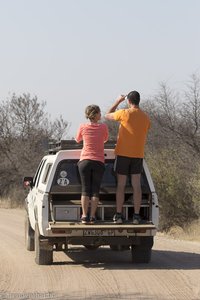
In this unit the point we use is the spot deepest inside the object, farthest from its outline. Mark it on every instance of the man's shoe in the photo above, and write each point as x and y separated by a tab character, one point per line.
118	219
136	219
92	220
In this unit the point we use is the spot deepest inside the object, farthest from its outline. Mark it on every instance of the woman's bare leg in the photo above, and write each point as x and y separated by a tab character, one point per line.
94	204
85	204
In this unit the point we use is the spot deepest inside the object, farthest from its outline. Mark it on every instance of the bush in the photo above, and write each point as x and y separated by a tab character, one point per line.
14	199
178	205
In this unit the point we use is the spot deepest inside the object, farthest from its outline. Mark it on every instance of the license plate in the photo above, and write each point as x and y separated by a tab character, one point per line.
95	232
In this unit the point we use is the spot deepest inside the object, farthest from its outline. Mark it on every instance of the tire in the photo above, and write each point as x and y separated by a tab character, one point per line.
91	247
29	235
43	251
142	253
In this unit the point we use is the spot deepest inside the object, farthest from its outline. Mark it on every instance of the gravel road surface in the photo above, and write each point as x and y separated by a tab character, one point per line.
174	272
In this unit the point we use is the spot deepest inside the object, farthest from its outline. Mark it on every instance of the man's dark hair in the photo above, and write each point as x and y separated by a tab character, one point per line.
134	97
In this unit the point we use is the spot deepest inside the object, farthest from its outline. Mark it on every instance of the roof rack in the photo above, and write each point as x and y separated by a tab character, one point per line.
54	146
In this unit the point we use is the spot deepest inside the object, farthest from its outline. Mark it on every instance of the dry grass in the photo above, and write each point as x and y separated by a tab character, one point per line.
15	199
8	202
191	233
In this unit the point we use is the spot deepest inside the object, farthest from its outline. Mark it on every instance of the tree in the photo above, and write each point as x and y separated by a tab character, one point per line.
25	129
113	129
178	118
173	152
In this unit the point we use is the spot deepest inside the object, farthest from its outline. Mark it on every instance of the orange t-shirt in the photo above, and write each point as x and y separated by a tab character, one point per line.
134	125
93	135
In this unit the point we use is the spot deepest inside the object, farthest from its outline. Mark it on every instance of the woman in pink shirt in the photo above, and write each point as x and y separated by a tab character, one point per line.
91	163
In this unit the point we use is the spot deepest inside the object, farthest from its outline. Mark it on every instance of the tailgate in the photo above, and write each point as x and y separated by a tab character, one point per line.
105	229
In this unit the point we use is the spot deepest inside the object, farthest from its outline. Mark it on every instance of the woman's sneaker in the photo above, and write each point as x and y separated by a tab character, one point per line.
118	218
136	219
84	220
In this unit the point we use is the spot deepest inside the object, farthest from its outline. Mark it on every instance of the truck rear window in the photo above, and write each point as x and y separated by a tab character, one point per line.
67	178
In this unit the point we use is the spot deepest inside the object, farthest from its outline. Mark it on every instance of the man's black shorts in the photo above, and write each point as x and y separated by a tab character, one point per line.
128	165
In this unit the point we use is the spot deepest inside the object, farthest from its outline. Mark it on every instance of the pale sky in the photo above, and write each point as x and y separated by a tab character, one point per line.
72	53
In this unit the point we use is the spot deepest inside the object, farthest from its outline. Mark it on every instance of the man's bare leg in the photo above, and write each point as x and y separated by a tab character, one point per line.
137	193
121	182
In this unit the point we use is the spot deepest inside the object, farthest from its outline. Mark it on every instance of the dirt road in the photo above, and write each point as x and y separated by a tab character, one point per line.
174	272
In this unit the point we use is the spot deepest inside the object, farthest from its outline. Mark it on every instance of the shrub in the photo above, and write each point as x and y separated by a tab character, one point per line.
178	205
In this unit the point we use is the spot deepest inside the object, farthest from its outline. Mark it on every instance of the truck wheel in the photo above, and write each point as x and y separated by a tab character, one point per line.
29	235
91	247
140	254
43	251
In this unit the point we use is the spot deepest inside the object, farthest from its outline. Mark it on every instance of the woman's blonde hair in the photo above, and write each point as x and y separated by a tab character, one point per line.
91	111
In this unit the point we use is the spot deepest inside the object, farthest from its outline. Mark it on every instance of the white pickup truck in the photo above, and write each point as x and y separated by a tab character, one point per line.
54	209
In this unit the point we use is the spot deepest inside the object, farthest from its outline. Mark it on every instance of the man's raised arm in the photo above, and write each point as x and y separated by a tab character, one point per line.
109	114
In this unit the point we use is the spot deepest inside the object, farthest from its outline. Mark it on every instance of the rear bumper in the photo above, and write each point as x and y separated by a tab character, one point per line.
101	230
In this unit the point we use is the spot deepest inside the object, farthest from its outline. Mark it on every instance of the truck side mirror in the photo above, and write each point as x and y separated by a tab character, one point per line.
28	182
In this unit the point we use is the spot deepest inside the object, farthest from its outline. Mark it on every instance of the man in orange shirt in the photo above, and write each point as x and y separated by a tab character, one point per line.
134	125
